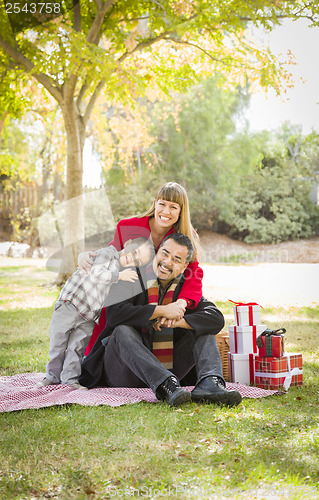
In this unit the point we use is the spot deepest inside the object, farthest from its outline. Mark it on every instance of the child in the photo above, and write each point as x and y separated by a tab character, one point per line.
79	306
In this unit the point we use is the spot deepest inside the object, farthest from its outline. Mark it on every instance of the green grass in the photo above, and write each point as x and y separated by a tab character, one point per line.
266	448
238	258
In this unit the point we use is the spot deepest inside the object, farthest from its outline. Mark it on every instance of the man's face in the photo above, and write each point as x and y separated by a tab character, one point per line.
170	261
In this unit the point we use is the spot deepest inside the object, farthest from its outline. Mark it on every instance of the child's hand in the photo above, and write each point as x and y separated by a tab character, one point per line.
84	261
128	275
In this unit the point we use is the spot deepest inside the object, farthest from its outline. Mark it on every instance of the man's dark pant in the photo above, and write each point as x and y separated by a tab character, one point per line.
129	363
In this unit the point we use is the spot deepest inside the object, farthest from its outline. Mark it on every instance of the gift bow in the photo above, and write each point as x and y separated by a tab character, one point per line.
269	333
292	372
244	303
288	379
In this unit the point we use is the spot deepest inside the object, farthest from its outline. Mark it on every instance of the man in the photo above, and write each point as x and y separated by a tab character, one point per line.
138	326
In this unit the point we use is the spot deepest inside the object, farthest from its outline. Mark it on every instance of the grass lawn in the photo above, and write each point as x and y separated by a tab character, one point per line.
262	449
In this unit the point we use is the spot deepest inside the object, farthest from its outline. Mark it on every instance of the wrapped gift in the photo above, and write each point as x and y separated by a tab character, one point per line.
241	368
271	343
246	314
278	373
243	339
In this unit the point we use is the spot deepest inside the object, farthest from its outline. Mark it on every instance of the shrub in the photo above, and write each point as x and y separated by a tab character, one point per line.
273	205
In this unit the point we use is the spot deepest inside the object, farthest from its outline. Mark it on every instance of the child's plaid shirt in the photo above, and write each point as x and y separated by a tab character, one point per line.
88	293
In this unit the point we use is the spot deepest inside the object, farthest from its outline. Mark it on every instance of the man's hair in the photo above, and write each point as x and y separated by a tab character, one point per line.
182	240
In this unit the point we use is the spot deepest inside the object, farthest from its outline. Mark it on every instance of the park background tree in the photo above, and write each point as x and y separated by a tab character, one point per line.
123	47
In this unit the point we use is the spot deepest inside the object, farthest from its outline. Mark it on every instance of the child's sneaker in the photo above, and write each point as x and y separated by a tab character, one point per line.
77	385
44	382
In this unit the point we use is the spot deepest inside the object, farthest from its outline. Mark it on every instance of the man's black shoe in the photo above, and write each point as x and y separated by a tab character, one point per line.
212	389
171	391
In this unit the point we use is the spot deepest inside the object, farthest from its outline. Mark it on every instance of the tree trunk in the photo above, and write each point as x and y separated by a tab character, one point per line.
2	120
73	221
57	187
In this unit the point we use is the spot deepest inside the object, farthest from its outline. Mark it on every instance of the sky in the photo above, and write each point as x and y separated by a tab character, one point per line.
300	105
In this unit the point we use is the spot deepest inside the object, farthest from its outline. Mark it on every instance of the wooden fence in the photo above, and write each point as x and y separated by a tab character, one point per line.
25	197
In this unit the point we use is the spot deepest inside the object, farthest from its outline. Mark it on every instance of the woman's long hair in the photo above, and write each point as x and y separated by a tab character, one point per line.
171	191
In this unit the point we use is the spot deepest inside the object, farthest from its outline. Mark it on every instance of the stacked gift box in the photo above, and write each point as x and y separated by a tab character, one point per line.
257	354
243	342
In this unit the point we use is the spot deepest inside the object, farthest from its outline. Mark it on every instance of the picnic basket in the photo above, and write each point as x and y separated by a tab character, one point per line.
223	347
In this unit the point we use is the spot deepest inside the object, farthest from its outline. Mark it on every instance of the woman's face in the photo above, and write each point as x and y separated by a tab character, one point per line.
166	213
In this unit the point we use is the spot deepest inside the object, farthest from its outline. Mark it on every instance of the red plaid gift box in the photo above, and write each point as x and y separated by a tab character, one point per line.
271	345
278	373
241	368
242	339
246	314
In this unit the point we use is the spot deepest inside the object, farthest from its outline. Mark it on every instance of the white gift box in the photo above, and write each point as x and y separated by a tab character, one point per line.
241	368
247	315
242	339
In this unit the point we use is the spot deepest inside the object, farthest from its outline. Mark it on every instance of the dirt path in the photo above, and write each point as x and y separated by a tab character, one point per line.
220	248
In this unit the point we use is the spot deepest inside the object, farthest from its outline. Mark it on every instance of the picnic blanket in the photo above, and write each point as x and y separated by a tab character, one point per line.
20	392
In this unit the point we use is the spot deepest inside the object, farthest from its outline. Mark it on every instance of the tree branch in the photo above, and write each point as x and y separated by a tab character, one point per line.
45	80
102	9
144	45
196	47
131	20
148	43
207	53
77	15
92	101
81	95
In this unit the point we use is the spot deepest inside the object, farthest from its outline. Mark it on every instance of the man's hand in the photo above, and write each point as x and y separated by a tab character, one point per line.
174	311
168	315
169	321
182	302
85	262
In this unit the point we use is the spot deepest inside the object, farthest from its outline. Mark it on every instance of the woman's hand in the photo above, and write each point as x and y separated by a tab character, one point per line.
85	262
128	275
163	322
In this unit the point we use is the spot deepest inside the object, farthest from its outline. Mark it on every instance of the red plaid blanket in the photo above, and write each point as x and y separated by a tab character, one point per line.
20	392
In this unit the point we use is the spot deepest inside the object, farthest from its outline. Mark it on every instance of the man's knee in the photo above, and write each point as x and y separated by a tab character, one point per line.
124	333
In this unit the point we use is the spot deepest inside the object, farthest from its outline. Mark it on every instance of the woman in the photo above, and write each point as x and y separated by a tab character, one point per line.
169	213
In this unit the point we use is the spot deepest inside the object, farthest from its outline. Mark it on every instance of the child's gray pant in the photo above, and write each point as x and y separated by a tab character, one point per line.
69	335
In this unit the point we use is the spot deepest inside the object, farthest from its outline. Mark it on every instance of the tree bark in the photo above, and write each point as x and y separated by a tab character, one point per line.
73	221
2	120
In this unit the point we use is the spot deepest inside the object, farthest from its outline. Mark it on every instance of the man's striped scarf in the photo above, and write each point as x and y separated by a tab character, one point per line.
162	345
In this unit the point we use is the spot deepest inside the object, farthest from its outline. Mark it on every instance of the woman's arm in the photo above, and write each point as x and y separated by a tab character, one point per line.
117	241
192	289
